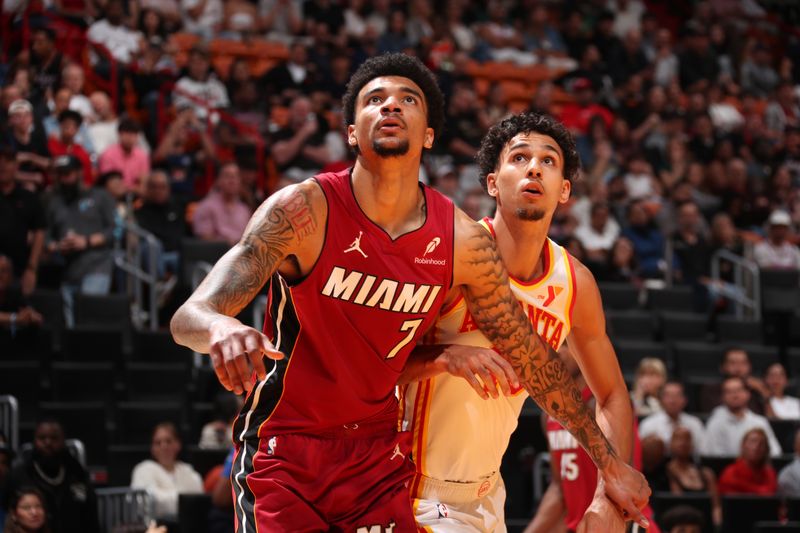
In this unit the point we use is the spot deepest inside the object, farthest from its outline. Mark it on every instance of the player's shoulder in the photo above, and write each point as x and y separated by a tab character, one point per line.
583	276
466	227
306	194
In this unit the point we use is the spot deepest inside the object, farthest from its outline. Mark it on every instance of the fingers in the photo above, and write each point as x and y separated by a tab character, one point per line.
219	369
253	349
508	370
489	384
475	384
269	350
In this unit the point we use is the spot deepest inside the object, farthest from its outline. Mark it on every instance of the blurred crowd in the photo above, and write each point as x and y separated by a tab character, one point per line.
686	117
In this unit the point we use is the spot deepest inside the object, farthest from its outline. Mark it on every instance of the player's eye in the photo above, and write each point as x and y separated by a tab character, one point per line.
410	100
518	158
548	161
374	99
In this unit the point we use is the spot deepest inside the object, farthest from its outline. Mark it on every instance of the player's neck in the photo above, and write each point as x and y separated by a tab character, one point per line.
520	243
387	191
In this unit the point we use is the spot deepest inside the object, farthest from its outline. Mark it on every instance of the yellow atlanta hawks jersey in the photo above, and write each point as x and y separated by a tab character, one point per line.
457	435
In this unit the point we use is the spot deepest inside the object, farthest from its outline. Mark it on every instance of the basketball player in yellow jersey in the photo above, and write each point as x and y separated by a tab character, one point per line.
527	164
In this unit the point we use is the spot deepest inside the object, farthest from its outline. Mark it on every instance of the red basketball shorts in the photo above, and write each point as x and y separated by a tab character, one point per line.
302	483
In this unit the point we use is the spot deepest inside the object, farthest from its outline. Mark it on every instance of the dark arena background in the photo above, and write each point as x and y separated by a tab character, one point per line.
137	137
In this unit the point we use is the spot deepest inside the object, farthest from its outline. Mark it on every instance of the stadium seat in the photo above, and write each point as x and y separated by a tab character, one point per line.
104	310
793	508
731	330
156	381
25	381
671	299
717	464
630	324
697	359
780	290
193	512
51	306
631	352
73	382
664	501
740	513
776	527
793	358
135	421
784	431
122	459
682	326
87	421
94	343
158	346
204	460
619	296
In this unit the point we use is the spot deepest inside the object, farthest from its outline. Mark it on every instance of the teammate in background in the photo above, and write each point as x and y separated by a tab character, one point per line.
527	164
571	493
317	442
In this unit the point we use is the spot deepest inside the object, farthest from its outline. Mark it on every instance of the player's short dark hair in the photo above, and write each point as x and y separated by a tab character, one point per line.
69	114
534	122
396	65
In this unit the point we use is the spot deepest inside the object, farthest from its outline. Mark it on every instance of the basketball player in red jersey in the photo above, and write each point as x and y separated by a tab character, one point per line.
571	502
360	262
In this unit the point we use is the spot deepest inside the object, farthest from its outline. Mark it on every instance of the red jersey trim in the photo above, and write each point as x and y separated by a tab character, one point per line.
574	282
452	305
547	265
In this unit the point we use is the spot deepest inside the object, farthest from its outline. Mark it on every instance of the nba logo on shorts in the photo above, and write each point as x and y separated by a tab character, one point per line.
483	489
442	510
271	444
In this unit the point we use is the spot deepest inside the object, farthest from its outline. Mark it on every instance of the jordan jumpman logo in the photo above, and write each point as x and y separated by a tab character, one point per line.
356	246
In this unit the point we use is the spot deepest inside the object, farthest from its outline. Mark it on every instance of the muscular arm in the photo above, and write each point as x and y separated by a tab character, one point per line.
599	366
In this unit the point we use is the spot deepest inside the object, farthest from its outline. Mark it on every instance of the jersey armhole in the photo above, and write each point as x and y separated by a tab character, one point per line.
300	280
574	287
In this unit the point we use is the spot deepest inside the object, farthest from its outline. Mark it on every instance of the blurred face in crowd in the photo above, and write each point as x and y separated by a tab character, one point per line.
73	78
735	395
298	54
229	181
21	121
672	399
300	111
622	253
128	140
797	442
776	379
722	228
599	217
198	65
115	12
778	233
48	440
41	45
755	448
157	189
116	187
528	183
689	217
29	513
165	446
69	129
10	93
681	445
101	104
637	215
736	363
61	100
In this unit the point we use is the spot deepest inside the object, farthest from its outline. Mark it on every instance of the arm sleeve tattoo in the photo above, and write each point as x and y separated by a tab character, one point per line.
501	318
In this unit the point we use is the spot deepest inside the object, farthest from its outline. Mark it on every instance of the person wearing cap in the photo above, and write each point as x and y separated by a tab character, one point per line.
21	217
80	229
30	143
776	251
126	156
65	143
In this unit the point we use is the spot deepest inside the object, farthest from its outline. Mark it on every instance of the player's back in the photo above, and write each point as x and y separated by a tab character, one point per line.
348	327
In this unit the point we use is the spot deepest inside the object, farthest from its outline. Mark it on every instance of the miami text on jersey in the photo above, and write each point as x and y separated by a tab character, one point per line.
385	294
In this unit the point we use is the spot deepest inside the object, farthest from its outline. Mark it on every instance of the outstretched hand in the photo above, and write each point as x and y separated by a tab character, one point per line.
483	368
237	351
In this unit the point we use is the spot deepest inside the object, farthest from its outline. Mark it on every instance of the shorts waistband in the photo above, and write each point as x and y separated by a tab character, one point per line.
360	430
429	488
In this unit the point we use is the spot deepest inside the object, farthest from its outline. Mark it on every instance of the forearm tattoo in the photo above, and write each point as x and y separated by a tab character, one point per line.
500	317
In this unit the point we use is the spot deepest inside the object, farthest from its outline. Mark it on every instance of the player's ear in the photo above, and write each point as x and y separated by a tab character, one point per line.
566	188
491	184
429	136
351	135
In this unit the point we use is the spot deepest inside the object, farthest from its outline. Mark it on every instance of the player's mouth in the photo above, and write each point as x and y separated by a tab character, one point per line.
390	125
533	190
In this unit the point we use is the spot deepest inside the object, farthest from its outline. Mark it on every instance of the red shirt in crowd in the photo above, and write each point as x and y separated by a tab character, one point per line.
740	478
58	148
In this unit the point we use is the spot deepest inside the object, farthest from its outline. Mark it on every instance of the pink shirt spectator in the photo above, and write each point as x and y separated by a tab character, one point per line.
215	219
134	166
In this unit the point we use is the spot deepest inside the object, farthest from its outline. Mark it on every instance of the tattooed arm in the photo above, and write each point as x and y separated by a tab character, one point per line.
285	234
479	269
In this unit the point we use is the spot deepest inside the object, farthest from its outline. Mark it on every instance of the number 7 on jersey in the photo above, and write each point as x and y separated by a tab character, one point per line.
411	327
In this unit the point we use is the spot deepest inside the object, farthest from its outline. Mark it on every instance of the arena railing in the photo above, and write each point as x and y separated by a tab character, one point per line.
120	508
139	259
9	420
745	291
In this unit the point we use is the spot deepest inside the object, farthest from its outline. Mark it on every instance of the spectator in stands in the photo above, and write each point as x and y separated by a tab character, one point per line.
126	156
647	240
751	473
154	68
577	116
783	111
599	235
184	149
16	317
292	79
736	362
777	251
651	374
303	147
730	421
202	17
165	218
466	124
789	477
240	20
686	477
46	65
73	79
200	88
68	494
540	36
698	63
682	519
281	19
80	226
692	253
30	143
216	435
756	73
222	215
394	39
52	126
621	265
22	223
672	416
26	512
779	405
164	476
104	124
110	32
66	143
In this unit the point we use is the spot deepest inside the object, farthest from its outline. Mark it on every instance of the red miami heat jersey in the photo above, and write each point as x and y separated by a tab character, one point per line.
349	326
578	472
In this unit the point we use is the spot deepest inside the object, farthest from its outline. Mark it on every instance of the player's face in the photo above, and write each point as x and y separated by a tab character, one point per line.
529	181
391	118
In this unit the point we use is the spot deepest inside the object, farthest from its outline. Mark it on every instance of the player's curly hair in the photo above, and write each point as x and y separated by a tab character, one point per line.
396	65
488	157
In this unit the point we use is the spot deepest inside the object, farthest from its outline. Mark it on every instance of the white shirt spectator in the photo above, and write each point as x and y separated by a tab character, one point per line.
786	408
104	134
211	91
592	240
165	486
626	18
789	479
724	432
769	255
662	426
122	42
205	24
81	104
